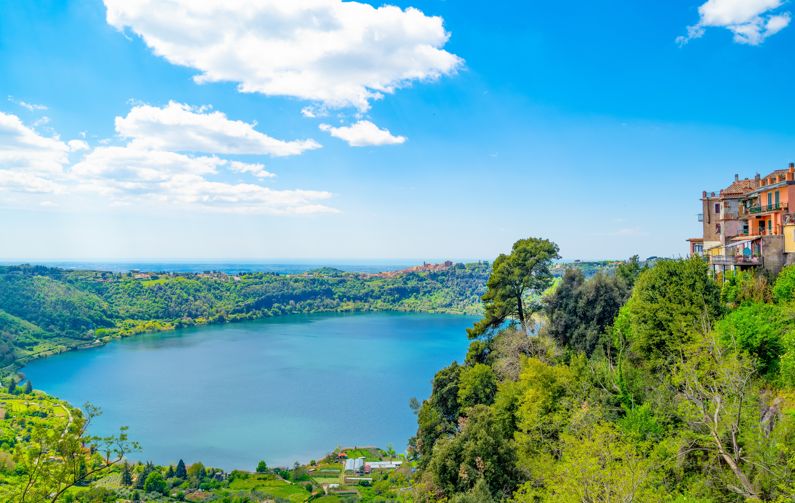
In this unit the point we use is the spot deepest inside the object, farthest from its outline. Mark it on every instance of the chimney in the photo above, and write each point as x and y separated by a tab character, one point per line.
736	177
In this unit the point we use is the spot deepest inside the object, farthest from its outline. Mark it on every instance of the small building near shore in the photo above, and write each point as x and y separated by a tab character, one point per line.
354	465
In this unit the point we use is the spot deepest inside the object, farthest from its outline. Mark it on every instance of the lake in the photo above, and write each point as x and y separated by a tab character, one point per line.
282	389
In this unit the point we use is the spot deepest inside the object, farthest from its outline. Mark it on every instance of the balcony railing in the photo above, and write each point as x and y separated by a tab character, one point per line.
762	208
734	260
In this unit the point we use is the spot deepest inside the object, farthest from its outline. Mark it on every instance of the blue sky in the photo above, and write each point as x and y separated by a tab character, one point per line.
450	130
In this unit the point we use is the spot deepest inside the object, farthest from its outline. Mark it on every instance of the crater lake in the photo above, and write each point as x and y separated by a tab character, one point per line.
282	389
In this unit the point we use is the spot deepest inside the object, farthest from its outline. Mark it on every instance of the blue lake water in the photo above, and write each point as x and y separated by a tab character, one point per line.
282	389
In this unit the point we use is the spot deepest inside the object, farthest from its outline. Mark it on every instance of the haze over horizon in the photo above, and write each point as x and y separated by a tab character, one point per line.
347	131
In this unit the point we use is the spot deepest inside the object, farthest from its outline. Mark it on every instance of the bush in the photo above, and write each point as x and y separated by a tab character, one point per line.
155	483
784	288
477	385
671	302
757	329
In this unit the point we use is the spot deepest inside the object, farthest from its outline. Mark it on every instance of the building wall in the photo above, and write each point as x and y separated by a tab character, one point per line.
789	238
773	253
711	217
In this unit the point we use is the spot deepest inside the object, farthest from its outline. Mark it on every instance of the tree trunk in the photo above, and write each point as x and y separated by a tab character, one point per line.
520	306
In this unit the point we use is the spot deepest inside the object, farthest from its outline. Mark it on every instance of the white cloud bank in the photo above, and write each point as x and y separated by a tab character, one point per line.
182	128
152	169
340	54
363	134
751	21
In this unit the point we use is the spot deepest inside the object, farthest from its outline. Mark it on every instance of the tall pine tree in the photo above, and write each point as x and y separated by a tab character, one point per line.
181	472
126	475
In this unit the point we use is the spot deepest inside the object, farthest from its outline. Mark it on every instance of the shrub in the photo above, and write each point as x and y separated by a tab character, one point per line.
757	329
784	288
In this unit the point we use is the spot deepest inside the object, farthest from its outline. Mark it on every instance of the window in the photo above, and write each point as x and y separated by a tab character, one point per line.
717	228
770	226
769	200
717	207
777	199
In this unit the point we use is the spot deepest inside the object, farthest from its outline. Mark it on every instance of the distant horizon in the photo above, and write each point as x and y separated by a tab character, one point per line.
289	261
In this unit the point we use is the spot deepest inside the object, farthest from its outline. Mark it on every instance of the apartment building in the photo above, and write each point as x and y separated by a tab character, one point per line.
749	224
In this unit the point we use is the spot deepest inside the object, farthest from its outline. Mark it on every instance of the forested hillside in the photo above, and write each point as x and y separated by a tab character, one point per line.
44	310
646	384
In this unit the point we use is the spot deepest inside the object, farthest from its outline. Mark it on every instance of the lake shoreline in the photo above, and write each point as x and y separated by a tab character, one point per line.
314	419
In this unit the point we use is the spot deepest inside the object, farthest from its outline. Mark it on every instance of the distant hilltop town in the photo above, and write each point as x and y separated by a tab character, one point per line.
749	223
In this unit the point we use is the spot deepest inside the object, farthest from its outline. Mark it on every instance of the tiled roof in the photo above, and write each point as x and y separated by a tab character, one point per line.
739	187
778	172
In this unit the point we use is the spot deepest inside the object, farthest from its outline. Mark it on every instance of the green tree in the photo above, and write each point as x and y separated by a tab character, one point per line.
757	329
437	416
196	473
28	387
515	279
126	475
784	287
262	467
580	311
715	394
477	385
671	303
479	451
52	462
629	271
181	472
145	471
155	483
12	385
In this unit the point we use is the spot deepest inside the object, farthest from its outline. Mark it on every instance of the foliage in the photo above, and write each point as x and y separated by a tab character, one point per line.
691	400
759	330
477	385
47	310
181	472
670	303
784	288
155	483
479	451
514	279
743	287
580	311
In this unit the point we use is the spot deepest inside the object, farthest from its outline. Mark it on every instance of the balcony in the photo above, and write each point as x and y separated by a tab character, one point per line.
764	208
734	260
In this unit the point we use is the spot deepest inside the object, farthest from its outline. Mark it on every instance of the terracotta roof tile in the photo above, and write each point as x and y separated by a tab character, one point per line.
739	187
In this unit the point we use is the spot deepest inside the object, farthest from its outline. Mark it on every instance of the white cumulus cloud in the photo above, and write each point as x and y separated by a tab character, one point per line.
338	53
23	149
363	134
144	174
182	128
751	21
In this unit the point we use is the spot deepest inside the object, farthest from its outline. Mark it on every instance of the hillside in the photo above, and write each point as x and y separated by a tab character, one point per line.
44	310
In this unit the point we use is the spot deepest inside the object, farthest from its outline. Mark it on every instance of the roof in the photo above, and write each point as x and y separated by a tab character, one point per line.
354	464
739	187
778	172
